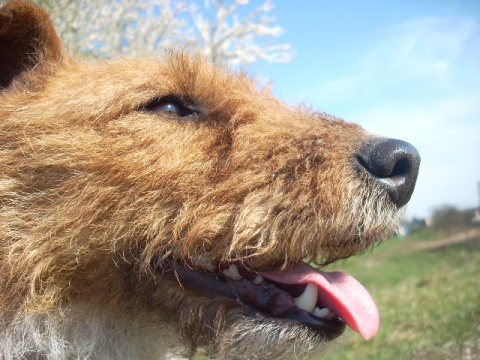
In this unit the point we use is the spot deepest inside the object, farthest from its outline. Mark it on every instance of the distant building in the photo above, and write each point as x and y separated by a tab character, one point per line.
410	226
476	217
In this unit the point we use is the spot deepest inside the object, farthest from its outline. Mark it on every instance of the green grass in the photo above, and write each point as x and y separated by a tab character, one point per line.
428	299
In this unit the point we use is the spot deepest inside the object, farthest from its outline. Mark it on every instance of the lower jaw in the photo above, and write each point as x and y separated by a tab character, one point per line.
297	318
256	336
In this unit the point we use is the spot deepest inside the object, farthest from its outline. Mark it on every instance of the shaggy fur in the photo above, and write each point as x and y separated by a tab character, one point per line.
103	193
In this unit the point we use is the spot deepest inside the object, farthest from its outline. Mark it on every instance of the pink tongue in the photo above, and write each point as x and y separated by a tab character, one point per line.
337	291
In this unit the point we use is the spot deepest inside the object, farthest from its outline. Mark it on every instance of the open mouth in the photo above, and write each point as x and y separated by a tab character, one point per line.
324	301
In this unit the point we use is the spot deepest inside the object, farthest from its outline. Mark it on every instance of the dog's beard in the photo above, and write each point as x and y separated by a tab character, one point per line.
252	339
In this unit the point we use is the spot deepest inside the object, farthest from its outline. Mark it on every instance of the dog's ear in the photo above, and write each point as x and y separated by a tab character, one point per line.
27	41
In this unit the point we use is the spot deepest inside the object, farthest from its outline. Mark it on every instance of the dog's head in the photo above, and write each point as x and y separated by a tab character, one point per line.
181	190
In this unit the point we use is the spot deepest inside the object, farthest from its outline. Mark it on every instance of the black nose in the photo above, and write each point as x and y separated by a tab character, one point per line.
394	163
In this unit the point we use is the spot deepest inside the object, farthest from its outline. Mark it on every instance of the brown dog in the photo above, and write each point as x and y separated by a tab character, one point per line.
150	208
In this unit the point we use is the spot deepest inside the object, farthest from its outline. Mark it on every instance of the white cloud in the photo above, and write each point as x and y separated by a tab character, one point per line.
424	47
419	55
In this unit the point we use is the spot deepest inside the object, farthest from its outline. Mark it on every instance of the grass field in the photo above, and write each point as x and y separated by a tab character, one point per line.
427	289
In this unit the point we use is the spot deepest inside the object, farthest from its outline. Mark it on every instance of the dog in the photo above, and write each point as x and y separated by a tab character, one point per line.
152	208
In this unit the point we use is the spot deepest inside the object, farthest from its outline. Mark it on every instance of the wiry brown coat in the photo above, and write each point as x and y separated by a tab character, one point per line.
98	189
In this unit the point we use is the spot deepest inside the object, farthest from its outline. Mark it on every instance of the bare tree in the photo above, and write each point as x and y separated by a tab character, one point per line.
224	36
451	220
111	28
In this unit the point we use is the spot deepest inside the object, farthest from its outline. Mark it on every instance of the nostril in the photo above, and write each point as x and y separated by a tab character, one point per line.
401	168
394	164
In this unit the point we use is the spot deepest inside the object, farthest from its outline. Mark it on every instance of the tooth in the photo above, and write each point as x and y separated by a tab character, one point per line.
331	316
232	273
321	313
308	299
258	280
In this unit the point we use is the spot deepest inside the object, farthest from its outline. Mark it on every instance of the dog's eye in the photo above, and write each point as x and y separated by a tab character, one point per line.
171	108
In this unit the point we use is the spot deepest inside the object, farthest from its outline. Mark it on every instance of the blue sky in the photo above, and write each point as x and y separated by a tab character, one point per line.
405	69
